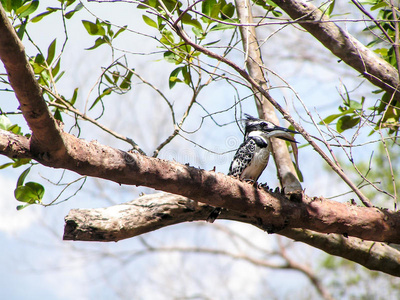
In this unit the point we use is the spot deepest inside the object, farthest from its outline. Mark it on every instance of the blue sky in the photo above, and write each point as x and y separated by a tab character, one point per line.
37	264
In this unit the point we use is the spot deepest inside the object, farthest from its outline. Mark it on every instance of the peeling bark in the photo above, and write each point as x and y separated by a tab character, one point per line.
269	211
272	210
151	212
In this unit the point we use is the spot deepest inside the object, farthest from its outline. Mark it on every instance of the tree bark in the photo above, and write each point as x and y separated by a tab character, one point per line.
255	66
46	138
343	45
273	210
152	212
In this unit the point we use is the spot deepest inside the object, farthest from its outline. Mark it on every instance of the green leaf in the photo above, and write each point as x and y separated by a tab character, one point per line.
220	26
56	68
25	194
21	30
19	207
22	177
186	75
74	97
228	11
170	56
94	28
59	76
3	166
77	8
27	9
57	115
31	192
39	59
331	7
122	29
20	162
8	4
173	77
106	92
15	129
207	6
126	83
189	20
346	122
99	41
149	21
51	51
355	105
40	16
199	33
379	5
37	188
168	37
276	13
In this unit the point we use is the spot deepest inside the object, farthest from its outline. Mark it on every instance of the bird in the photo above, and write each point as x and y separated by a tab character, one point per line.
252	156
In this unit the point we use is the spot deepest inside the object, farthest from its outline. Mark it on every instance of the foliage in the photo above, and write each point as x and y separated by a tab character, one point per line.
385	113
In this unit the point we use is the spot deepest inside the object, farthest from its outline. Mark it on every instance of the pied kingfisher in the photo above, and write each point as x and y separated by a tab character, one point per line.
252	156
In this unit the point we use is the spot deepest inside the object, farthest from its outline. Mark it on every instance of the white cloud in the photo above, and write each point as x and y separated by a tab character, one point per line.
12	220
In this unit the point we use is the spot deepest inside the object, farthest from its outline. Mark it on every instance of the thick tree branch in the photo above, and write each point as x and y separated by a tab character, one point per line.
46	137
151	212
272	210
178	29
343	45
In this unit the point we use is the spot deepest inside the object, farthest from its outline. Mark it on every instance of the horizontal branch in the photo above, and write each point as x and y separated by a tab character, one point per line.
151	212
272	210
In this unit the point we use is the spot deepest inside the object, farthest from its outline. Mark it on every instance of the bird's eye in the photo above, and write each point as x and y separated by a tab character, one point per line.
265	126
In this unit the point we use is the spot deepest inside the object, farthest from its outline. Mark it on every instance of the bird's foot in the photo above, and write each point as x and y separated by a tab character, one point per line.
250	181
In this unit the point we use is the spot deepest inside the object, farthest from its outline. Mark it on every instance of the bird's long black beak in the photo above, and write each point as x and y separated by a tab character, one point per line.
282	133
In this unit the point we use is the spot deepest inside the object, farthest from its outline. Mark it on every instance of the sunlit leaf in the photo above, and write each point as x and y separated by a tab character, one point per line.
74	97
93	28
19	207
99	41
40	16
56	68
173	77
105	92
22	177
27	9
122	29
51	51
126	83
149	21
20	162
77	8
3	166
37	188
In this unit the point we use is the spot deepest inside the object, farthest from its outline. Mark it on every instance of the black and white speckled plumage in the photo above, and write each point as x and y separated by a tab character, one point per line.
252	156
250	159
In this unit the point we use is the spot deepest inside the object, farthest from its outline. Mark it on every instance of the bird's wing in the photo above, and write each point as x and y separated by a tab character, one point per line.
242	157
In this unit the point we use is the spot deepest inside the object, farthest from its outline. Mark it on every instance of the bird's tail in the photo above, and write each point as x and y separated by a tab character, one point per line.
214	214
